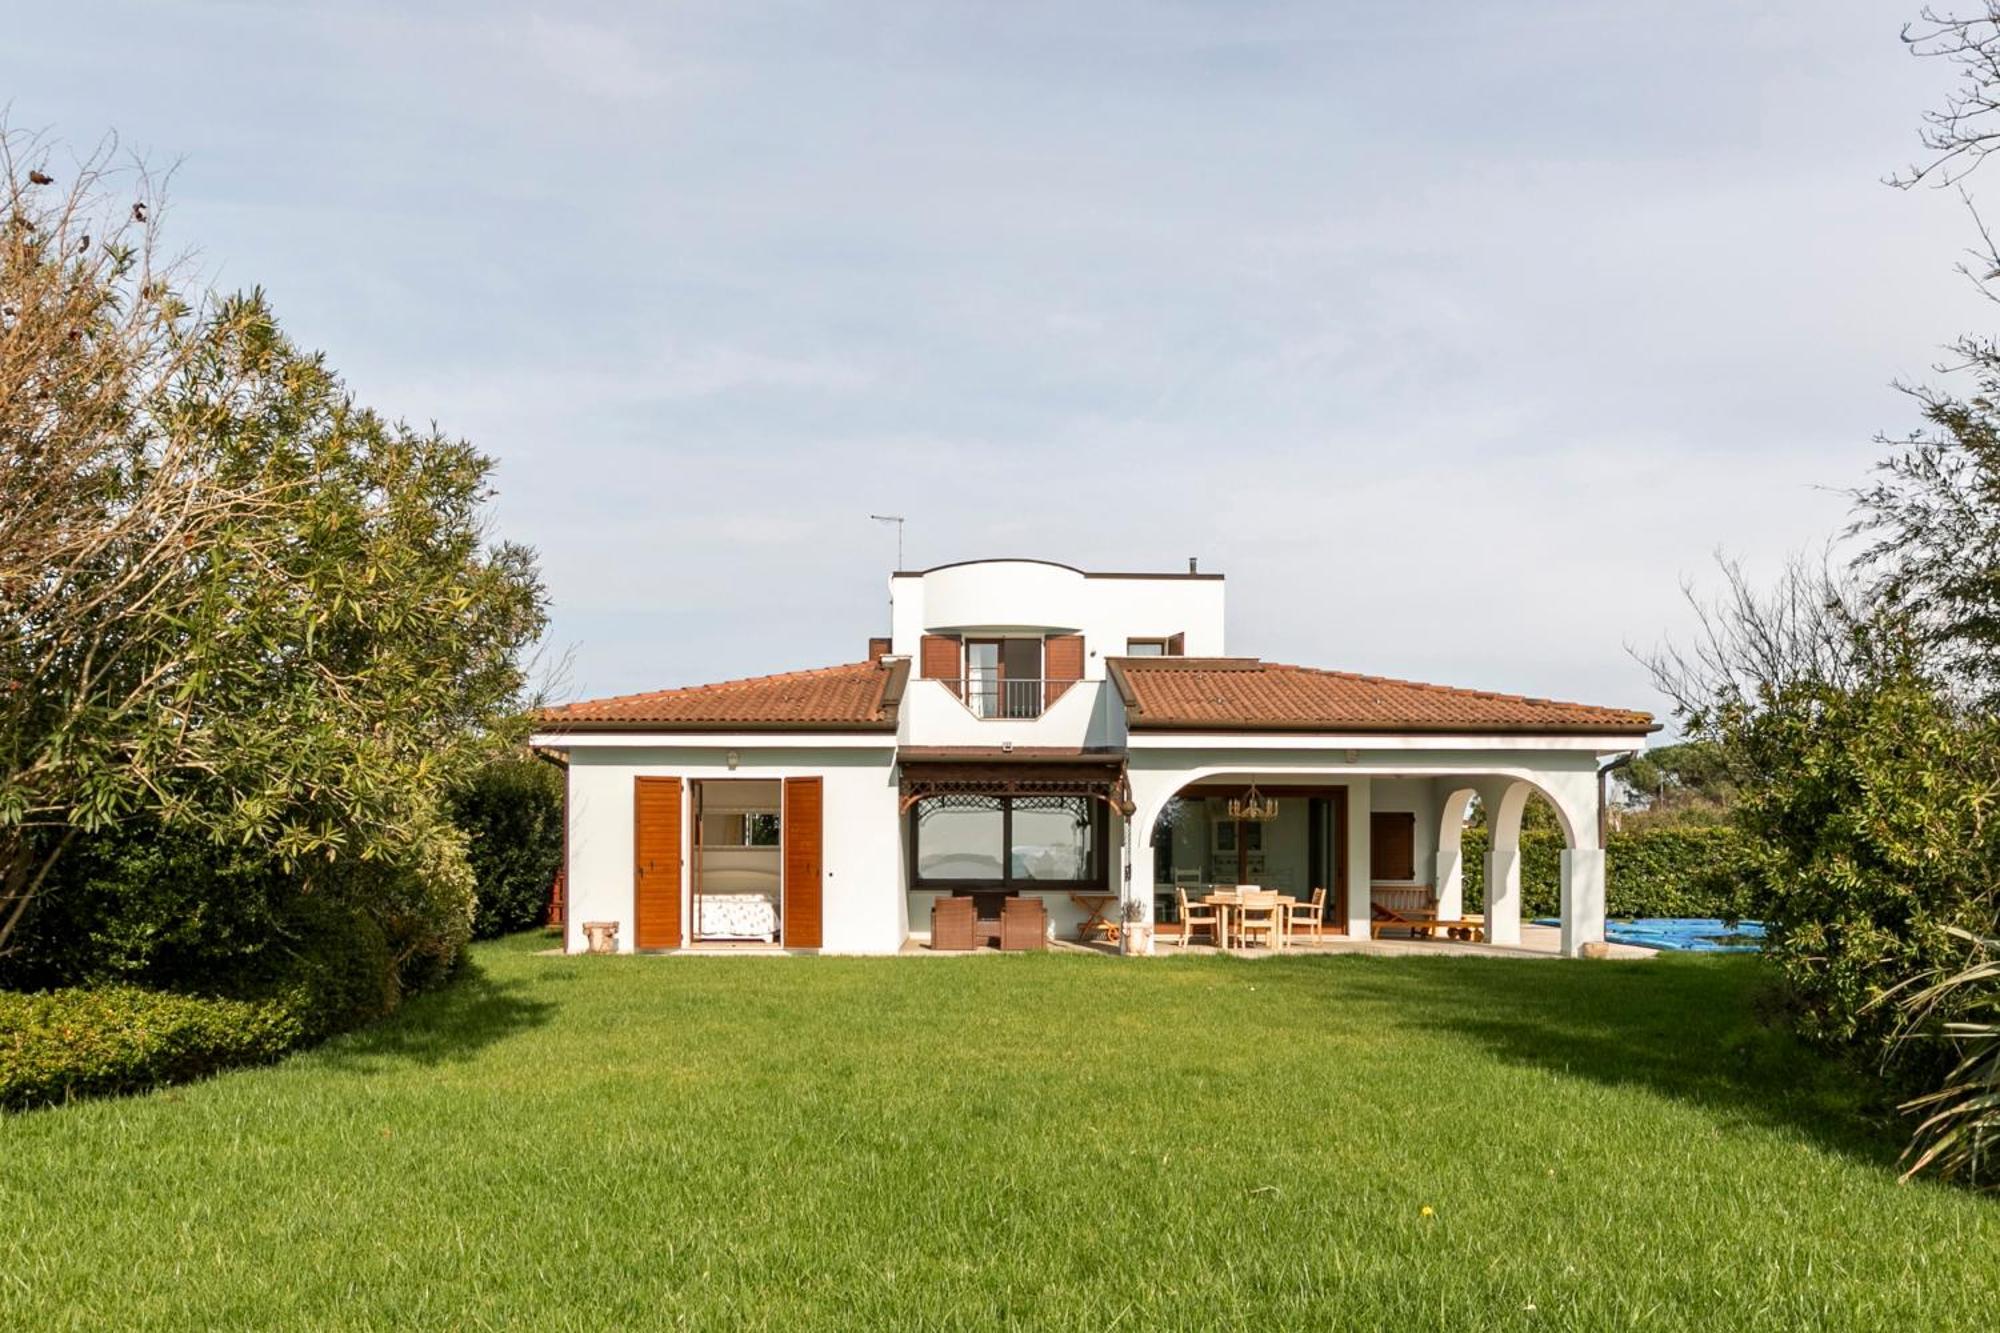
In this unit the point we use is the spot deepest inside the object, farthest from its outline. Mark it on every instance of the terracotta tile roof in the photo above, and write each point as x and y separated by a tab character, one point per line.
859	696
1244	693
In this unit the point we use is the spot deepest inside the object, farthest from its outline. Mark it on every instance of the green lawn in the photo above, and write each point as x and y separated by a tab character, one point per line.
1055	1140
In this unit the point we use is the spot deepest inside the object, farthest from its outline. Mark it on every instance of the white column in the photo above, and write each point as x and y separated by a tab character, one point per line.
1582	899
1135	871
1359	803
1503	895
1450	880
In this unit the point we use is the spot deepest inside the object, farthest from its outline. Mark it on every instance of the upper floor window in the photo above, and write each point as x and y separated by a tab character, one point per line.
1145	647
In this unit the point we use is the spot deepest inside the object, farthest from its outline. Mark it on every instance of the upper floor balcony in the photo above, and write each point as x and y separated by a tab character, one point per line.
1002	712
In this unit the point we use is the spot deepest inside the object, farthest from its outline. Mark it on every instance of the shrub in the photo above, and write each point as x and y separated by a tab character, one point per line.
511	812
55	1045
1870	813
151	906
329	964
171	910
1674	870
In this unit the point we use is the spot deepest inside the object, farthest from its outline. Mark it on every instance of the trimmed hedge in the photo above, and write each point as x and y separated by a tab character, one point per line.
511	812
1677	870
79	1042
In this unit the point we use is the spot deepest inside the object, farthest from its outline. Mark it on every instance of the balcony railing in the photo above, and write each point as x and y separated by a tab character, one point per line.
1015	697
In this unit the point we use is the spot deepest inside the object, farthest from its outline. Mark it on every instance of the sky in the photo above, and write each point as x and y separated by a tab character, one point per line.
1462	337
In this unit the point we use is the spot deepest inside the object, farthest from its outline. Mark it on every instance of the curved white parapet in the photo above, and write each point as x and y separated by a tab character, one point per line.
933	715
995	594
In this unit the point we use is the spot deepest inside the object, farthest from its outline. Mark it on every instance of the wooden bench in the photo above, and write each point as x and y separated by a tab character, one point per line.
1424	925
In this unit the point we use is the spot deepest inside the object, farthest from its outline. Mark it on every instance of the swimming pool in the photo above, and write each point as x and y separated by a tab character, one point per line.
1690	934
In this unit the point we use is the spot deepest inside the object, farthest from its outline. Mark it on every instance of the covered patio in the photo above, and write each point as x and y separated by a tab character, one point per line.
1371	780
1379	831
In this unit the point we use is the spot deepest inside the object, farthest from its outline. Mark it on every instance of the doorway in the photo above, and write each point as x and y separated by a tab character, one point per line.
737	885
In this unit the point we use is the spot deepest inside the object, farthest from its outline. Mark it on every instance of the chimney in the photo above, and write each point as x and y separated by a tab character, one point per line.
1194	565
877	649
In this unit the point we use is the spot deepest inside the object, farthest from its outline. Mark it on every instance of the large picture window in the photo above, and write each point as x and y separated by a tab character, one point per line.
1007	842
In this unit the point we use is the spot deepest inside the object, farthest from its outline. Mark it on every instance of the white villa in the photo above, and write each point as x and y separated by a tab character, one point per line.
1027	728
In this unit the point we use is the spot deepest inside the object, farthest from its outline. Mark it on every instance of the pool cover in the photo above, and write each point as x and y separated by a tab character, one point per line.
1692	934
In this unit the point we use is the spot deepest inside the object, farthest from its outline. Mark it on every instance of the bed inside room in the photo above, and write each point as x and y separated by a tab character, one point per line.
737	881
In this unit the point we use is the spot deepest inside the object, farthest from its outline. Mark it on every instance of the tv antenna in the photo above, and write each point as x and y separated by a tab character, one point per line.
897	519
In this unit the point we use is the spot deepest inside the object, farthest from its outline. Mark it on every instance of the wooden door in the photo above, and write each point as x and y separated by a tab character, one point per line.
801	828
656	871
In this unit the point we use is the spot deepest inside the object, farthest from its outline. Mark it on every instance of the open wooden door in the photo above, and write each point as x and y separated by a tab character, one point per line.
802	830
656	870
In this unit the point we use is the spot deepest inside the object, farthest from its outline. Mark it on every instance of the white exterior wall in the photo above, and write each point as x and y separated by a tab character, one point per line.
862	899
1122	609
1032	597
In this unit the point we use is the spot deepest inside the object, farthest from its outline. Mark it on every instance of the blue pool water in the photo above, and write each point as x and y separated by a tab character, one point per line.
1694	934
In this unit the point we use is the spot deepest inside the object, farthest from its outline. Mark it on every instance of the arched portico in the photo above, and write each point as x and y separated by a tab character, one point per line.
1503	784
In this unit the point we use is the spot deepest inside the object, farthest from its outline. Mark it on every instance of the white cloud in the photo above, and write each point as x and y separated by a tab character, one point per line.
1475	314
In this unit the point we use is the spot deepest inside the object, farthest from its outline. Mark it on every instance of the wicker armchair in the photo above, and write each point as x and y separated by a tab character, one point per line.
1024	924
952	921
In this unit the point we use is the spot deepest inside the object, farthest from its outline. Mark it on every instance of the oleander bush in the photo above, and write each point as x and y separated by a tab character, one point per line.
1666	870
76	1042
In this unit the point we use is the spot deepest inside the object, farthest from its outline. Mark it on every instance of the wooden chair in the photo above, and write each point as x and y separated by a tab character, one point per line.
952	922
1310	915
1261	915
1205	918
1024	924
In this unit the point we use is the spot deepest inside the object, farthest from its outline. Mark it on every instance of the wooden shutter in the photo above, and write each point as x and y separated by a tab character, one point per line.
1177	645
940	659
1062	664
656	874
1392	845
878	649
804	864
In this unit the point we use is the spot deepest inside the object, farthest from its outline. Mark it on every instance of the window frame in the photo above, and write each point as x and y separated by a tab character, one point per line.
1151	643
1100	837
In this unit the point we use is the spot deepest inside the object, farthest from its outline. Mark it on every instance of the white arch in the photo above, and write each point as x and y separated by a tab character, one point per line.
1456	802
1572	794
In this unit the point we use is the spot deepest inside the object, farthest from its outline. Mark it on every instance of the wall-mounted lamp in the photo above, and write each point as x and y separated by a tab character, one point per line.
732	759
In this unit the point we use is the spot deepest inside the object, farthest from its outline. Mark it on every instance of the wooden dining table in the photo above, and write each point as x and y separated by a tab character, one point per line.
1227	902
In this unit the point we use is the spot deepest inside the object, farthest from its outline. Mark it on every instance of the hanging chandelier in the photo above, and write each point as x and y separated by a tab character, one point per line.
1254	806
